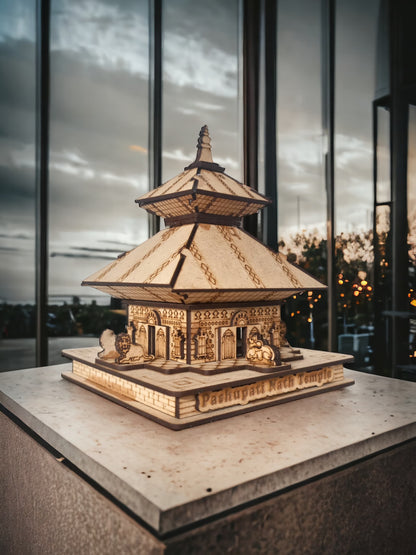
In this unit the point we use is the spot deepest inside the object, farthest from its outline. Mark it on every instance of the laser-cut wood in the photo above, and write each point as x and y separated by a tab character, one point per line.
203	299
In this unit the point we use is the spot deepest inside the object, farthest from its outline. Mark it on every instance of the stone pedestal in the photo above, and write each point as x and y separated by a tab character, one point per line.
331	473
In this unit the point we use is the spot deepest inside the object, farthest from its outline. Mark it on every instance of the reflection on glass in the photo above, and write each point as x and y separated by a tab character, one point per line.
98	151
382	244
411	186
302	200
383	285
301	180
383	227
356	55
383	190
200	82
411	238
356	37
17	178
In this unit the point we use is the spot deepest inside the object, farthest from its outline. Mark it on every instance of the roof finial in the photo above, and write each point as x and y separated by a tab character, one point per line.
203	156
204	146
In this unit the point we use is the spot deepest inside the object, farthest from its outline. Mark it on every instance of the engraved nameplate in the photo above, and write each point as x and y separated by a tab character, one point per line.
214	400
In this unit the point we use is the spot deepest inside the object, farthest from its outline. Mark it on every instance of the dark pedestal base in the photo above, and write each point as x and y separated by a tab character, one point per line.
47	507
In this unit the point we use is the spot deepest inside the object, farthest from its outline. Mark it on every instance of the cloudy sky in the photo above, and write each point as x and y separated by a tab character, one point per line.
99	122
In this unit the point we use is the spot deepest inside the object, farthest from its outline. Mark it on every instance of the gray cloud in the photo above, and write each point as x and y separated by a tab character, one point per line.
16	236
215	22
80	255
89	249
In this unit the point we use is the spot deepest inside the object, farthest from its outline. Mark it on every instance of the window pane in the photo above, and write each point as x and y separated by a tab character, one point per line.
200	83
302	200
411	240
98	152
383	190
356	55
301	179
383	285
17	168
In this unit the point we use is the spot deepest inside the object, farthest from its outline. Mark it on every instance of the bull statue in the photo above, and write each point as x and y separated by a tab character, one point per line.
259	353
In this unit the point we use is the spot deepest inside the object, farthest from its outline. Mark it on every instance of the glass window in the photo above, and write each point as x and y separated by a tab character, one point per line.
411	240
302	199
17	169
383	190
98	155
356	56
201	83
383	261
301	177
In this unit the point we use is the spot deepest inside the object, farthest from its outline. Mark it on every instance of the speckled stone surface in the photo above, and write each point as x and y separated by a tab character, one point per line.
172	479
47	509
367	508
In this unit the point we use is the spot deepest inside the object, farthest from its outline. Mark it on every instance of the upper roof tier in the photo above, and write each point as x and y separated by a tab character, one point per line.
202	193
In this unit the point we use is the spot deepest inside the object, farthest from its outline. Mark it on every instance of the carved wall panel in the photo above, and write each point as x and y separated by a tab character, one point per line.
240	319
168	330
208	330
177	344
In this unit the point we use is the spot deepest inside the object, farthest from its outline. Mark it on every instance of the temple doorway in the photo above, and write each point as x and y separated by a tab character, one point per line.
152	340
241	333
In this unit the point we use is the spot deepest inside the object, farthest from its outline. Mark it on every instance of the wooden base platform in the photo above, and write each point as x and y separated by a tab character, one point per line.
181	399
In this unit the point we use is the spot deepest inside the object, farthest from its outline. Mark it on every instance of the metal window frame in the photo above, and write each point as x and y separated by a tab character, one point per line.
42	177
155	103
328	124
398	159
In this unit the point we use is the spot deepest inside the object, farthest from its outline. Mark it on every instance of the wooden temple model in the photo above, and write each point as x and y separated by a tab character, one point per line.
204	337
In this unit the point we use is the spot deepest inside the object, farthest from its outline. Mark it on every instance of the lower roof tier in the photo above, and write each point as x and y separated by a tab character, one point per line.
157	294
202	263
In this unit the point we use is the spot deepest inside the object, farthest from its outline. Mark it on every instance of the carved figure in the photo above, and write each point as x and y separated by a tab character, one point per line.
275	335
201	344
178	343
128	353
108	344
259	353
161	344
142	338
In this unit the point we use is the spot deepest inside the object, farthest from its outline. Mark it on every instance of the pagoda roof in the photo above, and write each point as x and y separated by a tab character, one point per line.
202	189
202	263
